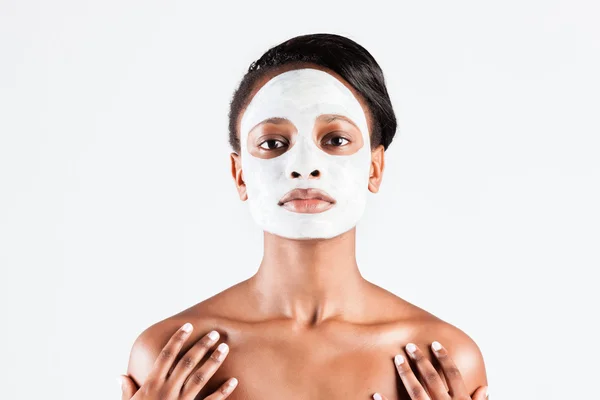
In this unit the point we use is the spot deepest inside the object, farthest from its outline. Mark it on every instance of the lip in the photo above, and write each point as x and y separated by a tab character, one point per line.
308	201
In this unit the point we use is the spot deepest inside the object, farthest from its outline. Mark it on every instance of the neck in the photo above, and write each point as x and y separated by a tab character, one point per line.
309	281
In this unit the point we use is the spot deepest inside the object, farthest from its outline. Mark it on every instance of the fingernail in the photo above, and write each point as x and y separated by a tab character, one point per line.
411	348
213	335
376	396
187	327
486	392
222	347
436	346
233	382
398	359
221	351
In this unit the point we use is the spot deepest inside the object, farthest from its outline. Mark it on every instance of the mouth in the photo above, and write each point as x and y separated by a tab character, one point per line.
307	201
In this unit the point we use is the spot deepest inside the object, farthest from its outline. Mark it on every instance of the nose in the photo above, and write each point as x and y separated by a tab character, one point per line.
314	174
304	161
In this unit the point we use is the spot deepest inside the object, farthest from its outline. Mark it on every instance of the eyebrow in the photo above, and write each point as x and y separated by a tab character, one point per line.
325	117
332	117
274	120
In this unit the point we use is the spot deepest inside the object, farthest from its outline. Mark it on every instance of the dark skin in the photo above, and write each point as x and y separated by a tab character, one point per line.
307	325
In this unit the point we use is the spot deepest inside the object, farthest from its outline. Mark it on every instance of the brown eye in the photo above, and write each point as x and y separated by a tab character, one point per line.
336	141
271	146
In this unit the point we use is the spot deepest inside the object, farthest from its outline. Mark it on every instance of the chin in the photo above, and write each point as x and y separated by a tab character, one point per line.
308	233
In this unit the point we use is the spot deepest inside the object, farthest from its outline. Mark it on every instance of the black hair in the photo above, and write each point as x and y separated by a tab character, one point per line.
337	53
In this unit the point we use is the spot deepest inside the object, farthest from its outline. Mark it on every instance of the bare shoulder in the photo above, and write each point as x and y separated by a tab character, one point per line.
152	340
423	328
204	317
463	350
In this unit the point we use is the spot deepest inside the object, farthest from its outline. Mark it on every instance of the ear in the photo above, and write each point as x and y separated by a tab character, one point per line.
376	172
238	178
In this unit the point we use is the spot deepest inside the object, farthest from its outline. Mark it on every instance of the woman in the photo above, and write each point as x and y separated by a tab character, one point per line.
309	125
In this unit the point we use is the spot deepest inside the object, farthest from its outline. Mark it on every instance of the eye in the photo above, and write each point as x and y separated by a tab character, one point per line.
271	147
336	141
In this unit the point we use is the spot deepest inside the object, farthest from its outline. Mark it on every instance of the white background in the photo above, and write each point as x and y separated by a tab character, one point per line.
117	208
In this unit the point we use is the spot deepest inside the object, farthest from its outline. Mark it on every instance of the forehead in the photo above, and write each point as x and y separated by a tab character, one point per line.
301	94
299	65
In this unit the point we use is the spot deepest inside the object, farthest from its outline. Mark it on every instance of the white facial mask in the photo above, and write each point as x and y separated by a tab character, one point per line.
301	96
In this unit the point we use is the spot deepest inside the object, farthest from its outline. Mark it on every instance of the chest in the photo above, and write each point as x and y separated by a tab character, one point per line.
309	371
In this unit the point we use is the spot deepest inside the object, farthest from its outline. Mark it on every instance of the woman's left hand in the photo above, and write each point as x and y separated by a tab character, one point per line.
433	382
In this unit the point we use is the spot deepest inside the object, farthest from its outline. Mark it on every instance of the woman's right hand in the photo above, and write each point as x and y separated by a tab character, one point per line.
184	382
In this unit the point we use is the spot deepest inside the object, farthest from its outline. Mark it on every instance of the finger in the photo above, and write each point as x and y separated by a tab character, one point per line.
200	376
411	383
379	396
128	387
167	356
456	384
191	358
481	393
432	379
224	391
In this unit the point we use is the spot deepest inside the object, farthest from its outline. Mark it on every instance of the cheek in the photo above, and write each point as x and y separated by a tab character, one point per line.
351	173
263	176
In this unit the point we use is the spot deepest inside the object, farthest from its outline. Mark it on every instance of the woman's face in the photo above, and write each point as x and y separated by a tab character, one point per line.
305	129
